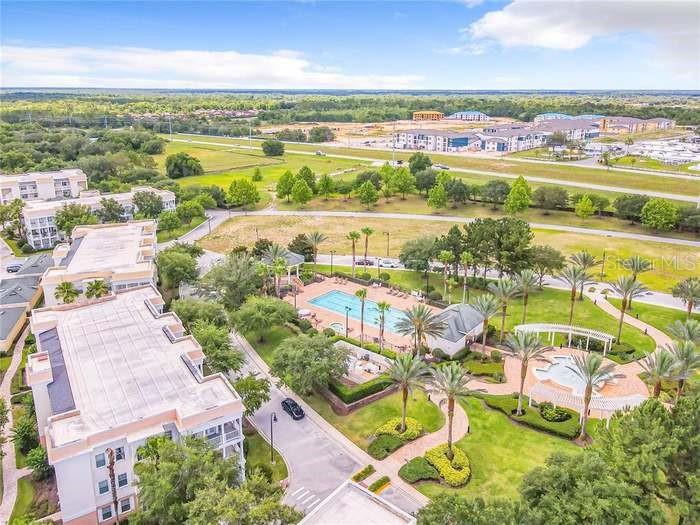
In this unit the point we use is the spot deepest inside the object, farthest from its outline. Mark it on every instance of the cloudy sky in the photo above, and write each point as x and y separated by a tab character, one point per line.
469	44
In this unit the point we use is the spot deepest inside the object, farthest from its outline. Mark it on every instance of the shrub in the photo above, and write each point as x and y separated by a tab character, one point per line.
328	332
27	249
385	276
507	404
384	445
350	394
435	296
455	472
496	356
364	473
365	276
551	413
393	428
384	480
418	469
37	460
461	354
305	325
593	344
429	288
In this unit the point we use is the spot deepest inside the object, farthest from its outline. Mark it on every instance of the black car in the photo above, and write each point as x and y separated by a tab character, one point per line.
13	268
364	262
292	408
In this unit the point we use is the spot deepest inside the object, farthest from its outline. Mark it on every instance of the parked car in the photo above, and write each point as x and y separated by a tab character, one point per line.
292	408
364	262
13	268
441	167
320	153
388	263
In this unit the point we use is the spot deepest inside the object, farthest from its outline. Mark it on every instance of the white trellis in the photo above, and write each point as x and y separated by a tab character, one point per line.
570	331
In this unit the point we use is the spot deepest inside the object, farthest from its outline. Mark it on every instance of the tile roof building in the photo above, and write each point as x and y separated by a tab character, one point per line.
463	324
42	185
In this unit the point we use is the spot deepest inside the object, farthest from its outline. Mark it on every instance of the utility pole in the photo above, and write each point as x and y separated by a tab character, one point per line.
250	135
170	127
30	117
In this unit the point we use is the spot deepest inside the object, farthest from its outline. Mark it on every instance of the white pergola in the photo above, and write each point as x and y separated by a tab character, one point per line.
570	331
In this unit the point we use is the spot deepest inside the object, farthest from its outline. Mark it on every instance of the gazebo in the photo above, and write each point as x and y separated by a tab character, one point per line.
570	331
291	260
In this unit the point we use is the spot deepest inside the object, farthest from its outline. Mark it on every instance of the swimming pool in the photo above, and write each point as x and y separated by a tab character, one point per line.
337	300
560	372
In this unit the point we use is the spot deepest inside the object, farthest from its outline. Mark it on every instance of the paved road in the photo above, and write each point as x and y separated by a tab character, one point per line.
543	180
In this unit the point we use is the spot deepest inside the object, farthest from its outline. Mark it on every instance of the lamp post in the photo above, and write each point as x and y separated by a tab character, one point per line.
602	267
273	419
347	312
294	293
377	267
332	254
387	243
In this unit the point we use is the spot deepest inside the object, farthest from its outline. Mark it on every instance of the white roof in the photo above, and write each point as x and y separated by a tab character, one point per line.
121	367
33	175
93	199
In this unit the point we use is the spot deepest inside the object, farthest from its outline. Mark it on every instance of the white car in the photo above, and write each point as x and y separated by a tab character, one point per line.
388	263
441	167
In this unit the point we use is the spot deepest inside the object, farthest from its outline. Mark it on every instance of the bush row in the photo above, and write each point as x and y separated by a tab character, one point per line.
364	473
350	394
384	445
418	469
554	414
393	428
384	480
372	347
455	472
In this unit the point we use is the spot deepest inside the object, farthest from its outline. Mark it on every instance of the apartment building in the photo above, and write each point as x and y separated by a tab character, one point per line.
109	374
619	125
512	138
428	115
469	116
122	255
39	217
572	129
435	140
42	185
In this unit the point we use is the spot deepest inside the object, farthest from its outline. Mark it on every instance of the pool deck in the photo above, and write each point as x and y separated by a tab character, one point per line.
325	317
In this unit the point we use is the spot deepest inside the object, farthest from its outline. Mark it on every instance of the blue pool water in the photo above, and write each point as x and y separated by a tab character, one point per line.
336	301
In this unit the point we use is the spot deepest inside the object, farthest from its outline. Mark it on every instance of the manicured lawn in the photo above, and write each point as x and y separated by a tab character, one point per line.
259	454
501	453
648	163
657	316
25	496
361	424
273	337
20	459
164	236
215	158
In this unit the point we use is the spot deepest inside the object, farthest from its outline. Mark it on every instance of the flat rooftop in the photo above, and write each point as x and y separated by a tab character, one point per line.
33	175
91	199
351	504
114	362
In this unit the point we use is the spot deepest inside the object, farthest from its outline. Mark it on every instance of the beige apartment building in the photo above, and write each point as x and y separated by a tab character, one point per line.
107	375
42	185
122	255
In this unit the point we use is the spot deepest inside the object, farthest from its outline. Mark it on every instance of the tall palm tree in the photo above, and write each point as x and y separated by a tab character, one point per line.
658	367
488	306
527	281
272	256
688	330
465	259
409	372
361	293
593	372
366	231
66	292
628	288
382	307
525	346
279	268
96	288
573	276
419	322
353	237
636	265
688	291
585	261
686	360
315	239
450	380
504	290
446	257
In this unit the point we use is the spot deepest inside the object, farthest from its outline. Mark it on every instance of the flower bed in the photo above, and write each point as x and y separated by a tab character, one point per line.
418	469
379	484
554	414
364	473
568	429
455	472
384	445
393	428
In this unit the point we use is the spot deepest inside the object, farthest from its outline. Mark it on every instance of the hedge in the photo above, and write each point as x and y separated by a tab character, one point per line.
350	394
455	472
372	347
553	414
391	428
384	445
418	469
364	473
568	429
384	480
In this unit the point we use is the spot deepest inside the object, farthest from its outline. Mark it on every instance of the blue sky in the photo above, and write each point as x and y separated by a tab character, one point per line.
470	44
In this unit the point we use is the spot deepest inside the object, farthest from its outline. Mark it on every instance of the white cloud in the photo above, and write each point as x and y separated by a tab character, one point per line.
567	25
128	67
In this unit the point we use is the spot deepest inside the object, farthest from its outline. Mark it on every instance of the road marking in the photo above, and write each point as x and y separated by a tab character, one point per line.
313	504
297	490
302	495
312	496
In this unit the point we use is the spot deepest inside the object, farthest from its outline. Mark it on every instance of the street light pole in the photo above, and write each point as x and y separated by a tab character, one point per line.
332	253
273	419
347	311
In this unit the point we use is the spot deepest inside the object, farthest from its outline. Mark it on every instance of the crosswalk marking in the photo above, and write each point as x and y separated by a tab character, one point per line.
313	503
312	496
303	494
297	490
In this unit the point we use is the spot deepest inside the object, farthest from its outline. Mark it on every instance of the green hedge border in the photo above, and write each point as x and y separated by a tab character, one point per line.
351	394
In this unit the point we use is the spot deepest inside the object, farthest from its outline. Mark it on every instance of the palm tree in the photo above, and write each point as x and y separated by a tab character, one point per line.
504	290
686	360
382	307
688	330
466	260
628	288
526	280
487	306
636	265
66	292
585	261
361	293
573	276
450	380
446	257
525	346
367	231
279	268
688	291
353	237
409	372
315	239
275	256
96	288
658	367
593	372
419	322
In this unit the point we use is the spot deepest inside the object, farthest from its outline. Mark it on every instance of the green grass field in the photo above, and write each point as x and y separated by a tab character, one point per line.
164	236
215	158
25	497
647	163
657	316
259	454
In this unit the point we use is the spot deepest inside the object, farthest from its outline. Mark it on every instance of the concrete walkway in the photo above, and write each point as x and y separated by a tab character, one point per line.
10	473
